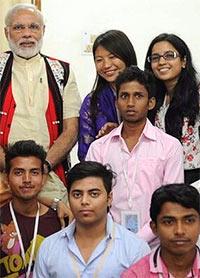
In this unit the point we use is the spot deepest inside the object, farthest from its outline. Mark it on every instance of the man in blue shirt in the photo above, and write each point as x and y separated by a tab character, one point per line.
92	245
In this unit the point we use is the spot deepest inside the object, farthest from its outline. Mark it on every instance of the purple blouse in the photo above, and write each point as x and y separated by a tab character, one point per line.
88	129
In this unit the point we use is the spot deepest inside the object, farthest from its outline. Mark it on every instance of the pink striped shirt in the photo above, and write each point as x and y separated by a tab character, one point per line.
157	159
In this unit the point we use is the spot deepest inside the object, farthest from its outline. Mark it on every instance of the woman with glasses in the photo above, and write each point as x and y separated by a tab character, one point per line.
177	109
112	52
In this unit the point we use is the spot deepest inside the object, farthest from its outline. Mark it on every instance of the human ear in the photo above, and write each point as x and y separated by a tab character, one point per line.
6	32
153	227
44	179
184	62
152	103
44	29
110	198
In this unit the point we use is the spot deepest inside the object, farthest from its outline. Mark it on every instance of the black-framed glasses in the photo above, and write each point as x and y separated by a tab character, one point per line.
168	56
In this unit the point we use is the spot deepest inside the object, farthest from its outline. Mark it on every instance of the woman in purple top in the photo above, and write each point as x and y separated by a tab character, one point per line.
112	52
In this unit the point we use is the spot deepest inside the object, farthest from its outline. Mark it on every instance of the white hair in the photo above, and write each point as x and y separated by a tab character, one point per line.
22	6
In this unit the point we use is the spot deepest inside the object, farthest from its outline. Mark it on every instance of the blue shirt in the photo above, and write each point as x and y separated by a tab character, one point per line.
55	254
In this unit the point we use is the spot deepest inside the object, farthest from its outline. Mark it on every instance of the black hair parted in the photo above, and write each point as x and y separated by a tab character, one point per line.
134	73
23	148
117	43
185	100
183	194
86	169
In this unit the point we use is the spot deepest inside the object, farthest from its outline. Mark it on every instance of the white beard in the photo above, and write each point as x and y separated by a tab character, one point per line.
25	52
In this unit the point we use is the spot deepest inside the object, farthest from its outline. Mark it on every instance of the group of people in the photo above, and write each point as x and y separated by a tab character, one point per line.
92	245
144	124
176	88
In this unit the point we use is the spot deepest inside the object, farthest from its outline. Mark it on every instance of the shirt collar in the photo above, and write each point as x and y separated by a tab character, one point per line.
69	230
23	61
158	266
148	131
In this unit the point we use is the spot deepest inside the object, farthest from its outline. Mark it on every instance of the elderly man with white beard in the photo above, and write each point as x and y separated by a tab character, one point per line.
39	99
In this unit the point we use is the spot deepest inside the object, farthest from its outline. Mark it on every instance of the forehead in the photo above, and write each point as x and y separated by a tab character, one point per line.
25	162
132	87
25	16
88	183
176	210
101	51
162	47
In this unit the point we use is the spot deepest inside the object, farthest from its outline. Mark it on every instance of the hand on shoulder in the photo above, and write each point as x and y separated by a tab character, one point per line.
106	128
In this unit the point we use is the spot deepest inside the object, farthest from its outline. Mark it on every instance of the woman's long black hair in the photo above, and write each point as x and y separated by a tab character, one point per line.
185	100
117	43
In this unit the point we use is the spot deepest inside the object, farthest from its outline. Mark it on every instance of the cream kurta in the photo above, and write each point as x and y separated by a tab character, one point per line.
30	92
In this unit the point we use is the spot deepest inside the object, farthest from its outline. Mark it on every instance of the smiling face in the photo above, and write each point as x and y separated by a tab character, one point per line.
25	33
108	66
89	201
25	177
167	71
178	229
133	102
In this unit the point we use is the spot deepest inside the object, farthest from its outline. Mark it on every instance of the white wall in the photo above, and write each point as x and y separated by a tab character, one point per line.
141	20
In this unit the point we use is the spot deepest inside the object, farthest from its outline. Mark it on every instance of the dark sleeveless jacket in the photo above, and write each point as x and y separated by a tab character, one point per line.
57	75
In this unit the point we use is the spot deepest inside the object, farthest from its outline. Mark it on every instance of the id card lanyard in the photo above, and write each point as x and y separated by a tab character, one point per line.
101	261
20	238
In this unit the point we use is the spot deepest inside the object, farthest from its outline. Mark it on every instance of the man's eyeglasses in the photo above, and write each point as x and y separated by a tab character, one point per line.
33	27
168	56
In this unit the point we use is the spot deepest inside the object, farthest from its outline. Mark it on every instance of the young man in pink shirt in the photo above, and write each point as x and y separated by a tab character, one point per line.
175	214
143	156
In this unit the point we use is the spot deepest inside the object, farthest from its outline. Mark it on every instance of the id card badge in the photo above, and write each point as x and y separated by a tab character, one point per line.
130	220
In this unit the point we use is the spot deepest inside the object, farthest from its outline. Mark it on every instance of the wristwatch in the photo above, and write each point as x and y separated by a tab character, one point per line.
54	204
49	165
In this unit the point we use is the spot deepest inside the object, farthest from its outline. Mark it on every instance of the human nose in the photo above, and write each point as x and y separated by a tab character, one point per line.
131	101
179	229
26	32
162	59
84	199
26	177
107	63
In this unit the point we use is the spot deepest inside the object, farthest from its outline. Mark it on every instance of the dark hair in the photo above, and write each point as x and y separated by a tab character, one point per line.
133	73
185	101
24	148
182	194
86	169
117	43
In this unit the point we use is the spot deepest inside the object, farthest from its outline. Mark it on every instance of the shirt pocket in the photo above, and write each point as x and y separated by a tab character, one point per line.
149	174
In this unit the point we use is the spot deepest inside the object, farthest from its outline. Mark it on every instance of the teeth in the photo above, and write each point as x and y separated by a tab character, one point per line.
109	72
164	69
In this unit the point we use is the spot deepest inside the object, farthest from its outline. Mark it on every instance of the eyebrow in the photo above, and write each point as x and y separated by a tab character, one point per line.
136	92
173	217
164	52
23	169
90	190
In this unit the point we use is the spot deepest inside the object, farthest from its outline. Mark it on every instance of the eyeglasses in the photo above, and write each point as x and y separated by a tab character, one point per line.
33	27
168	56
